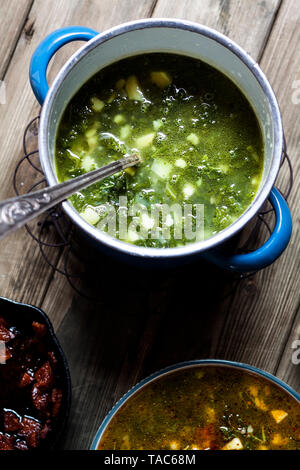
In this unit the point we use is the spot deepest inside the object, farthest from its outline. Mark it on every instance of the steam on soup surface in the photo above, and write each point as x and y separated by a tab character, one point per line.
206	408
197	135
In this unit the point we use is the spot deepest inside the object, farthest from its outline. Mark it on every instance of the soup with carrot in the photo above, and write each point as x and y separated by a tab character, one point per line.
206	407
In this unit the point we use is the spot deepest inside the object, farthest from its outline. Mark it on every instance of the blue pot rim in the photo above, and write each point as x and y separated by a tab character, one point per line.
186	365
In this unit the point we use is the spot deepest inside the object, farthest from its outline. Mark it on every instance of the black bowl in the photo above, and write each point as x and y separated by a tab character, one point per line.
22	316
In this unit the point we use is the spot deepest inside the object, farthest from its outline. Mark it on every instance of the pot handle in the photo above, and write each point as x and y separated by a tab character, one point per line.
269	251
46	49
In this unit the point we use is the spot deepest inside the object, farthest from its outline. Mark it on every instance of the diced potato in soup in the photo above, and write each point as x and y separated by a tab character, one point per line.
133	89
97	104
161	79
279	415
234	444
144	140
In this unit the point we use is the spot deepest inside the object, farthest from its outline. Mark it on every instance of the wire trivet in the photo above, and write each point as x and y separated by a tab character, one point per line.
54	230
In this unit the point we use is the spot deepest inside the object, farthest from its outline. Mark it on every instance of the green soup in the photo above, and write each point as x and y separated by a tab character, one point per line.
197	136
212	408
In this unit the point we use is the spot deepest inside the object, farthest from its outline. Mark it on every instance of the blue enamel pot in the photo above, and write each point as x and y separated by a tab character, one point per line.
189	39
184	366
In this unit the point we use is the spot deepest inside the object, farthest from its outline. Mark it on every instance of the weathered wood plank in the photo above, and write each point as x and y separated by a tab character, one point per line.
248	25
13	14
99	16
24	275
102	341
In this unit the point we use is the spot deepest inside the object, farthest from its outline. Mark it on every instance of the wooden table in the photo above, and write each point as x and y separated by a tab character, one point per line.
143	321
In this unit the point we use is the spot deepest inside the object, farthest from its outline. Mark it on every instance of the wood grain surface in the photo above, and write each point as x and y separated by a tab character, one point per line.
12	20
248	25
143	320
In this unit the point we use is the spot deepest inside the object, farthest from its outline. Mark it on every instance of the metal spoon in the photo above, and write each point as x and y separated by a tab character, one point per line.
17	211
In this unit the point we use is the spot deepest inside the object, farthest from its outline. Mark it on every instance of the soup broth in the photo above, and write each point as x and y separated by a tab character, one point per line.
206	408
196	134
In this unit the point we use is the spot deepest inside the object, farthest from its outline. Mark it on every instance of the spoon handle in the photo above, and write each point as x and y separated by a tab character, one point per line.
17	211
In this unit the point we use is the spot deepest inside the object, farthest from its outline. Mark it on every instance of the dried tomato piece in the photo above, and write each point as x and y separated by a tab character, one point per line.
3	322
31	430
5	334
33	439
56	397
26	379
5	354
12	421
52	358
44	376
21	445
39	329
6	442
40	399
29	425
45	430
206	437
29	373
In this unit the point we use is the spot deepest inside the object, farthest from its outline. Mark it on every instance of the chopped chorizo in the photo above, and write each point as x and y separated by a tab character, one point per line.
39	329
33	439
27	379
31	430
5	354
52	358
20	445
3	322
28	382
39	399
44	376
5	334
11	421
56	397
45	430
29	425
6	442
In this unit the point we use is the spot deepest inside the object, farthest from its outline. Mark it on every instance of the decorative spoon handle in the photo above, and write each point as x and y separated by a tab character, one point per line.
17	211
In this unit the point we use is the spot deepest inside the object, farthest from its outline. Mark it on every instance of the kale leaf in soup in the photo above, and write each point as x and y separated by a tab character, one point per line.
197	135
